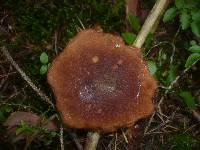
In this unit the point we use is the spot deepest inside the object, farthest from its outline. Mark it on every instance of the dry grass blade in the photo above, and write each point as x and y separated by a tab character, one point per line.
43	96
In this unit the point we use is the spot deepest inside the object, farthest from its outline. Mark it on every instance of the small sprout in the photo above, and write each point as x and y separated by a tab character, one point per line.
43	69
192	59
44	58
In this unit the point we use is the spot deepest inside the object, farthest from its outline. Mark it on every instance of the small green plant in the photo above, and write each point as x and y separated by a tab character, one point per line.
3	111
195	56
24	128
34	130
182	142
44	59
189	17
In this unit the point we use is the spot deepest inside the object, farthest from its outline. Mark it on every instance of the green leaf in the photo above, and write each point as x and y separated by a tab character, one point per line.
170	14
44	58
193	42
171	75
128	37
18	131
8	109
195	14
193	58
185	20
134	22
43	69
152	67
195	49
187	98
195	26
179	4
21	128
148	41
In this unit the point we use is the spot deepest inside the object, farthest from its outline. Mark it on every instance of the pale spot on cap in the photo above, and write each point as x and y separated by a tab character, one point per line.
95	59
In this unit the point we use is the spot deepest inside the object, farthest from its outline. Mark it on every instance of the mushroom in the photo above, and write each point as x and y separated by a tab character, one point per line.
100	83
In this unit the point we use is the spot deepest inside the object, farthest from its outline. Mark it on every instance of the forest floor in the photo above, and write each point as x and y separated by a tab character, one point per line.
31	28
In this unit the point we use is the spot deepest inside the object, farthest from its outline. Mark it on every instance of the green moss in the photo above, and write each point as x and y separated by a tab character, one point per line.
38	21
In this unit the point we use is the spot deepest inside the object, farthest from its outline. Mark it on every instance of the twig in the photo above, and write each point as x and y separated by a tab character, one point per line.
43	96
125	138
83	27
196	114
149	123
62	147
3	31
4	79
56	42
160	124
92	141
152	19
115	141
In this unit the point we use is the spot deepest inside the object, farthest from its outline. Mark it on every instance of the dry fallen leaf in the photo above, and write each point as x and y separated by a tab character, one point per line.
31	119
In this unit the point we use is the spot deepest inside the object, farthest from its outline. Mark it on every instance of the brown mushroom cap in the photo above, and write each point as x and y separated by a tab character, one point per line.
100	83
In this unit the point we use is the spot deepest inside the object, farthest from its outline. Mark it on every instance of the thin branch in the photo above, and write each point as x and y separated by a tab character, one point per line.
43	96
115	148
83	27
56	42
152	19
196	114
62	147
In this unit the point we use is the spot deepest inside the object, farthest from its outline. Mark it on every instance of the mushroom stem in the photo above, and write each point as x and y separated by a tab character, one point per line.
151	22
92	141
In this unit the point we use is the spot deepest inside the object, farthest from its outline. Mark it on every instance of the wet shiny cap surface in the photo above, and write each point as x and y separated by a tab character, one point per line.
98	83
